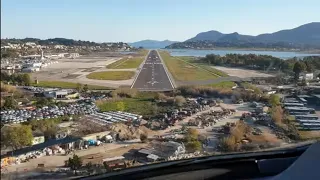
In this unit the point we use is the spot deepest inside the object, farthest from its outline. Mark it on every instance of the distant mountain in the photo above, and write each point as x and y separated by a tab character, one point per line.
305	34
303	37
210	35
235	37
152	43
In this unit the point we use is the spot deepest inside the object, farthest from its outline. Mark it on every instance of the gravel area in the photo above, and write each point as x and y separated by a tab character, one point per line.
242	73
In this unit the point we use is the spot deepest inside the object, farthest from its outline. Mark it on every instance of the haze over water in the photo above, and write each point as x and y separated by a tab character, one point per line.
202	53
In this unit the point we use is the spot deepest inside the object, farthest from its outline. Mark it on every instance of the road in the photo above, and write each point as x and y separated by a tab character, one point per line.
153	75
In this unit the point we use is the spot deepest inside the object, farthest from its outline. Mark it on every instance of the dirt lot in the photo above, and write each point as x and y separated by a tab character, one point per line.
75	70
242	73
103	151
267	134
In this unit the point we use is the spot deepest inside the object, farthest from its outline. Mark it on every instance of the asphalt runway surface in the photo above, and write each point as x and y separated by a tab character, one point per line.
153	76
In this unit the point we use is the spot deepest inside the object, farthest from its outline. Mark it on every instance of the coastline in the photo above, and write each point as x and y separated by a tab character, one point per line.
252	49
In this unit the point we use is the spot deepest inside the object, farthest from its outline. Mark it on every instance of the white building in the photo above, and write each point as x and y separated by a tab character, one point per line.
306	76
31	44
56	94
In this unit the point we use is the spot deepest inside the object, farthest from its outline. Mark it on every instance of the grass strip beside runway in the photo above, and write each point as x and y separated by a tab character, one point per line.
213	70
223	85
126	63
66	85
184	71
111	75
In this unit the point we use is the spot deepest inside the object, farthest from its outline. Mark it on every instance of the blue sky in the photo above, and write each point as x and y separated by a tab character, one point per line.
133	20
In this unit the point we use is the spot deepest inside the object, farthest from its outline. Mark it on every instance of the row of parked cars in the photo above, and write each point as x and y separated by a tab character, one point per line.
48	112
41	89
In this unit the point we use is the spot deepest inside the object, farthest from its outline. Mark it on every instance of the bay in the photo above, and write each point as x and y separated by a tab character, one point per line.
203	53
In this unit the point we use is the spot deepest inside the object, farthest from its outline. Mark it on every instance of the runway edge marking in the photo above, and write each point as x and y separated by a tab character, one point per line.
165	70
141	66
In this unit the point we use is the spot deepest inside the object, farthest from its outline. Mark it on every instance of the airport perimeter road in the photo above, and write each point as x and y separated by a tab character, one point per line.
153	75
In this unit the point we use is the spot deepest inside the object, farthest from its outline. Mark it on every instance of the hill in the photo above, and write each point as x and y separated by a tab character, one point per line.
210	36
59	41
152	43
303	37
306	34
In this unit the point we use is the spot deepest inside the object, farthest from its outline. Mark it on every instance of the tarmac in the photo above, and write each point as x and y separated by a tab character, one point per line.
153	75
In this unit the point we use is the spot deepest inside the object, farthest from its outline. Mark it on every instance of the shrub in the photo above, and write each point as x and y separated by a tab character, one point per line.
144	138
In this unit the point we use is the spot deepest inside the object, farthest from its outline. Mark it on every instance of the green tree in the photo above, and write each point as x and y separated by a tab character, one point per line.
9	103
274	100
26	79
298	68
85	88
120	106
74	163
17	137
79	87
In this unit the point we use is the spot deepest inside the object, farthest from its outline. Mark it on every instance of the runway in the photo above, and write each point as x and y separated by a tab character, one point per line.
153	75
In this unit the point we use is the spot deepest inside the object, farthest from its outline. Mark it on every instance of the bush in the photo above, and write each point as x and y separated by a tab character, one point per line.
161	97
277	114
193	146
179	100
274	100
124	92
228	144
144	138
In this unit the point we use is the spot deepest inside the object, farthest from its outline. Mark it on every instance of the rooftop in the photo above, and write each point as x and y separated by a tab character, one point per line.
298	108
41	146
113	158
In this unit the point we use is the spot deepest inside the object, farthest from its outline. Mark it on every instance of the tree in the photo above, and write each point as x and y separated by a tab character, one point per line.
9	103
179	100
17	136
120	106
144	138
26	79
74	163
309	67
79	87
274	100
85	88
297	69
89	167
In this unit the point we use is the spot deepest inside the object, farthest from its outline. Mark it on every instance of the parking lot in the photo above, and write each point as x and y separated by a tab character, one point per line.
70	109
113	117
